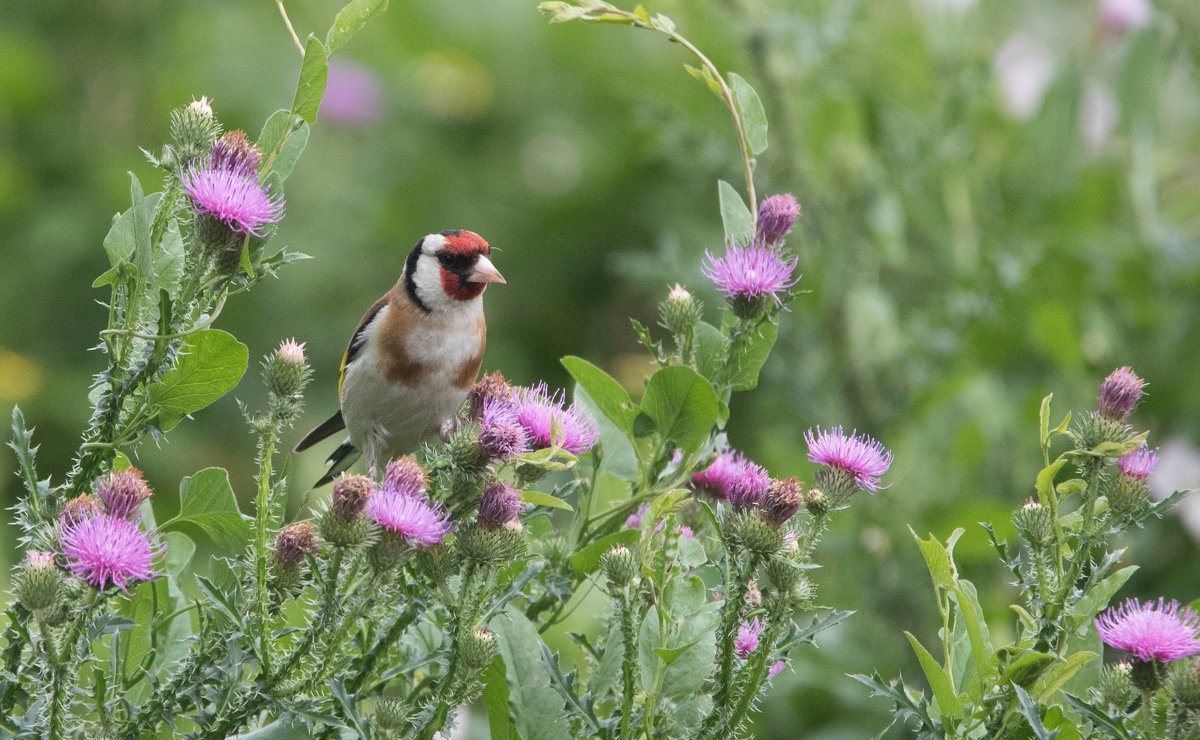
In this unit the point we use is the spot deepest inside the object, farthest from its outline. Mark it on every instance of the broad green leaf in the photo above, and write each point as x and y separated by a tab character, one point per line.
275	134
210	365
1027	668
350	20
608	395
1044	421
588	559
691	553
691	667
684	595
682	405
604	677
617	455
754	118
744	366
737	218
207	501
1045	480
1099	595
1053	679
495	701
537	498
711	350
937	560
971	614
939	680
150	602
534	705
310	88
129	238
168	261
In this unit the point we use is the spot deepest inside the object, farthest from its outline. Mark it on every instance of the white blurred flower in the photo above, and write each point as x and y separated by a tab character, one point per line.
1098	115
1178	469
1118	16
1025	69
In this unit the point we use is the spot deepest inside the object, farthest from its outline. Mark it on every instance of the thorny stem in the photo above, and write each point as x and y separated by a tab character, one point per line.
401	623
261	516
755	679
628	660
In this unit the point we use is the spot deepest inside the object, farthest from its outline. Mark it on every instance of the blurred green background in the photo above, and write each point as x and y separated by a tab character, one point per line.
1001	200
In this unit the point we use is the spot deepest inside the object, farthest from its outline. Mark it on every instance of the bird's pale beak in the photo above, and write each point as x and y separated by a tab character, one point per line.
485	272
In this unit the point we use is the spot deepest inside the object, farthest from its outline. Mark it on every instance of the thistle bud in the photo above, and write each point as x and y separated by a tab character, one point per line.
1183	681
37	584
1034	524
479	649
435	562
465	453
389	552
499	505
83	506
816	502
680	311
776	217
350	496
1148	675
406	476
751	532
1115	689
285	373
123	491
389	713
236	153
781	501
1120	393
194	128
490	546
292	543
491	387
620	566
1128	497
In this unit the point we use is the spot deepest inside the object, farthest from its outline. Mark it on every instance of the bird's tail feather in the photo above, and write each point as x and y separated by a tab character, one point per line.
342	458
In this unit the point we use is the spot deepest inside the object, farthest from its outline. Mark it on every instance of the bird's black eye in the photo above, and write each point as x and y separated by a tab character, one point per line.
454	262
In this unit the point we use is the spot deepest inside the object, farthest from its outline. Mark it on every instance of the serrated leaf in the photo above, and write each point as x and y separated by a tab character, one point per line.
1027	668
209	366
939	680
754	117
310	88
735	216
1029	710
1099	595
350	20
537	498
1053	679
682	405
534	706
207	500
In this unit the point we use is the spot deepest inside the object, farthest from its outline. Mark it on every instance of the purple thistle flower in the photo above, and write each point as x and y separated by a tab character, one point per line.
353	94
747	638
862	458
123	491
782	500
232	197
501	436
776	668
406	477
499	505
716	479
776	217
1161	631
235	152
750	273
634	521
1119	393
542	414
685	532
108	549
1138	464
410	516
747	488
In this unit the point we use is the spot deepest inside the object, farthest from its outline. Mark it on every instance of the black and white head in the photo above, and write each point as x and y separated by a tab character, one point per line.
449	270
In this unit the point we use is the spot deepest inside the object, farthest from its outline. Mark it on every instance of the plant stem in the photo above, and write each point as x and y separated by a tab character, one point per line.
262	513
401	623
288	22
754	682
628	661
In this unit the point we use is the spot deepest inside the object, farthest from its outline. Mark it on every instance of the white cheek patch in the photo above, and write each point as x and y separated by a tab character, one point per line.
428	281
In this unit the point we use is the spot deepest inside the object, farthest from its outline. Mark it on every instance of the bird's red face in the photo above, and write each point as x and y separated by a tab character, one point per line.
464	265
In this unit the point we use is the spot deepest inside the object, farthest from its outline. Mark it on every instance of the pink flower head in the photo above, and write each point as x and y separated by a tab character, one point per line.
232	197
108	549
716	479
1138	464
862	458
353	94
776	217
410	516
750	273
499	505
634	521
235	152
1161	631
123	491
1119	393
685	532
747	638
747	488
543	415
776	668
501	436
291	352
406	477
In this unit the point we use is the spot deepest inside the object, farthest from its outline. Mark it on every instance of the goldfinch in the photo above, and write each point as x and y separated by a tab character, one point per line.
414	356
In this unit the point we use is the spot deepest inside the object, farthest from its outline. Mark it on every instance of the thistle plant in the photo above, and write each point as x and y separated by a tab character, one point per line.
386	606
1050	680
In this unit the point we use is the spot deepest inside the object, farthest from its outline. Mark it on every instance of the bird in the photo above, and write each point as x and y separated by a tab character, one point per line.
414	356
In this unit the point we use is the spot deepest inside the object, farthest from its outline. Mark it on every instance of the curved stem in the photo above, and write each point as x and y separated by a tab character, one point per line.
288	22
